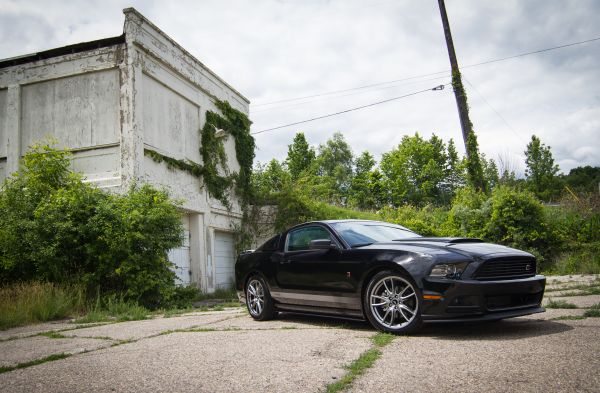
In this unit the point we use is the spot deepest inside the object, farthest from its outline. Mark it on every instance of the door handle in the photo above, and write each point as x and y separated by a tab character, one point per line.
285	261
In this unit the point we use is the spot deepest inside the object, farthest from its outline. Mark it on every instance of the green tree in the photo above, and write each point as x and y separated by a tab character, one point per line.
417	171
455	174
360	194
300	156
378	190
583	179
490	172
333	166
336	157
540	170
270	179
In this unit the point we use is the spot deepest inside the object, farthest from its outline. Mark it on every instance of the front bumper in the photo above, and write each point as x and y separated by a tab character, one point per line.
473	300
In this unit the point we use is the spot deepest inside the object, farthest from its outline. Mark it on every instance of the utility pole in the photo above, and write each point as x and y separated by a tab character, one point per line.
461	99
474	168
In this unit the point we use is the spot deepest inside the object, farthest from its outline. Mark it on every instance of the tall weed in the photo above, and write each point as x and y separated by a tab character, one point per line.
31	302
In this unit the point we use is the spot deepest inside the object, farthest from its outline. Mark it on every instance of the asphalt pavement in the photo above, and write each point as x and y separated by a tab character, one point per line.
227	351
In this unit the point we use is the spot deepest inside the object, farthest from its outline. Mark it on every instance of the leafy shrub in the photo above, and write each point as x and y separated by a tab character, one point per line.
511	217
59	229
518	219
426	221
294	208
469	213
183	297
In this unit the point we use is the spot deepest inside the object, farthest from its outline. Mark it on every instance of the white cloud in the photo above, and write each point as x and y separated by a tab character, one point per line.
272	50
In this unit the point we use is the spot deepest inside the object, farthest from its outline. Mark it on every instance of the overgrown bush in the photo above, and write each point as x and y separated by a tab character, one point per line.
294	208
426	221
577	221
59	229
511	217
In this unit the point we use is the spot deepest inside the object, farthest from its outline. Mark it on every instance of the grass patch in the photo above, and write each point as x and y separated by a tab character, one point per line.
584	289
354	370
359	366
593	312
53	335
569	318
232	304
50	358
382	339
559	304
114	309
229	295
121	342
32	302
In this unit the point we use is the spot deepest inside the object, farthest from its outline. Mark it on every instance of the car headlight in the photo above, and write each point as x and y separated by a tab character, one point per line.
448	270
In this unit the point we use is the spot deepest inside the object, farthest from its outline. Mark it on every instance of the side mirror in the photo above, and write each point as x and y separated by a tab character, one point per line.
322	244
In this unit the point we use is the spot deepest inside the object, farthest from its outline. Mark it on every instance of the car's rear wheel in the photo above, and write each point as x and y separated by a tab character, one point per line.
258	299
392	303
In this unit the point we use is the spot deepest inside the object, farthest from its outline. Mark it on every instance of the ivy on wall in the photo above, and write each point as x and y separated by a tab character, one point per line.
212	151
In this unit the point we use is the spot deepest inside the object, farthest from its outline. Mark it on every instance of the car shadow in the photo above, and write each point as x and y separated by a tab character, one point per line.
507	329
325	321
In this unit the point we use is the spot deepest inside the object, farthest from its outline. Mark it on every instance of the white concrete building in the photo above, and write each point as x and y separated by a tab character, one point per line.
109	101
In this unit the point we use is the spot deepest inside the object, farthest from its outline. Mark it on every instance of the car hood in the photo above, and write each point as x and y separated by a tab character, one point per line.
470	247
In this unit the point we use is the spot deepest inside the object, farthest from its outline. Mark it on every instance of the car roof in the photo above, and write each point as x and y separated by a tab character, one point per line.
328	222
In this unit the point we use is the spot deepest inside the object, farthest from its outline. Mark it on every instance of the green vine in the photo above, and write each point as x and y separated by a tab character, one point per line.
212	151
474	167
185	165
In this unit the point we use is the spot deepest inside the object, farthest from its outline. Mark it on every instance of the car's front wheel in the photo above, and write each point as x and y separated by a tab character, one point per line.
258	299
392	303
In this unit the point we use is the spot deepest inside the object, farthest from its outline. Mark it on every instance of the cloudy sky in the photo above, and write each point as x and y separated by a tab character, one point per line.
277	51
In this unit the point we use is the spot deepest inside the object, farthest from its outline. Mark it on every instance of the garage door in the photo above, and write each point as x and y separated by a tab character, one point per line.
180	257
224	260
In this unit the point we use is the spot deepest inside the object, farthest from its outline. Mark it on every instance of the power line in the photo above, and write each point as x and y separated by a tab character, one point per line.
292	105
492	108
440	87
429	74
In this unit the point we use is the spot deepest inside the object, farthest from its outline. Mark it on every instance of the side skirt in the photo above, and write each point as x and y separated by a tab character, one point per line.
302	309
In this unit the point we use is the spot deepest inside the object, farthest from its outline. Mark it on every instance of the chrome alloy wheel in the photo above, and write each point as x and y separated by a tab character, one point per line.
256	297
393	302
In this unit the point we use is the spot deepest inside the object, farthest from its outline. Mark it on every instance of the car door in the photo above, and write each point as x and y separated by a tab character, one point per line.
316	277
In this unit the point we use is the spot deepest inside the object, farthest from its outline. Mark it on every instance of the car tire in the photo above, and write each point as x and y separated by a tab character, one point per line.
392	303
258	299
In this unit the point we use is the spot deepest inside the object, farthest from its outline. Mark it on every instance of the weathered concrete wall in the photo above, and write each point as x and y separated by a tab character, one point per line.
81	111
171	123
3	133
171	92
73	98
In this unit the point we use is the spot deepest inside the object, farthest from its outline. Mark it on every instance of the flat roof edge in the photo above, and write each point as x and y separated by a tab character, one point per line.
185	51
64	50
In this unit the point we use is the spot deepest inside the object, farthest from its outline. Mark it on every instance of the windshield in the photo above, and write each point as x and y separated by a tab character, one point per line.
363	232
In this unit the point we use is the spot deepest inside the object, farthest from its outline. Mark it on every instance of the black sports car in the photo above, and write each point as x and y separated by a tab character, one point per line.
387	274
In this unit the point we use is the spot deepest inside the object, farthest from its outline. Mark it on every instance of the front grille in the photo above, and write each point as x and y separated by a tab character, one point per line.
506	269
507	302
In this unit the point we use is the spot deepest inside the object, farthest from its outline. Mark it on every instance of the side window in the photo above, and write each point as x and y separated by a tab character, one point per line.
300	239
